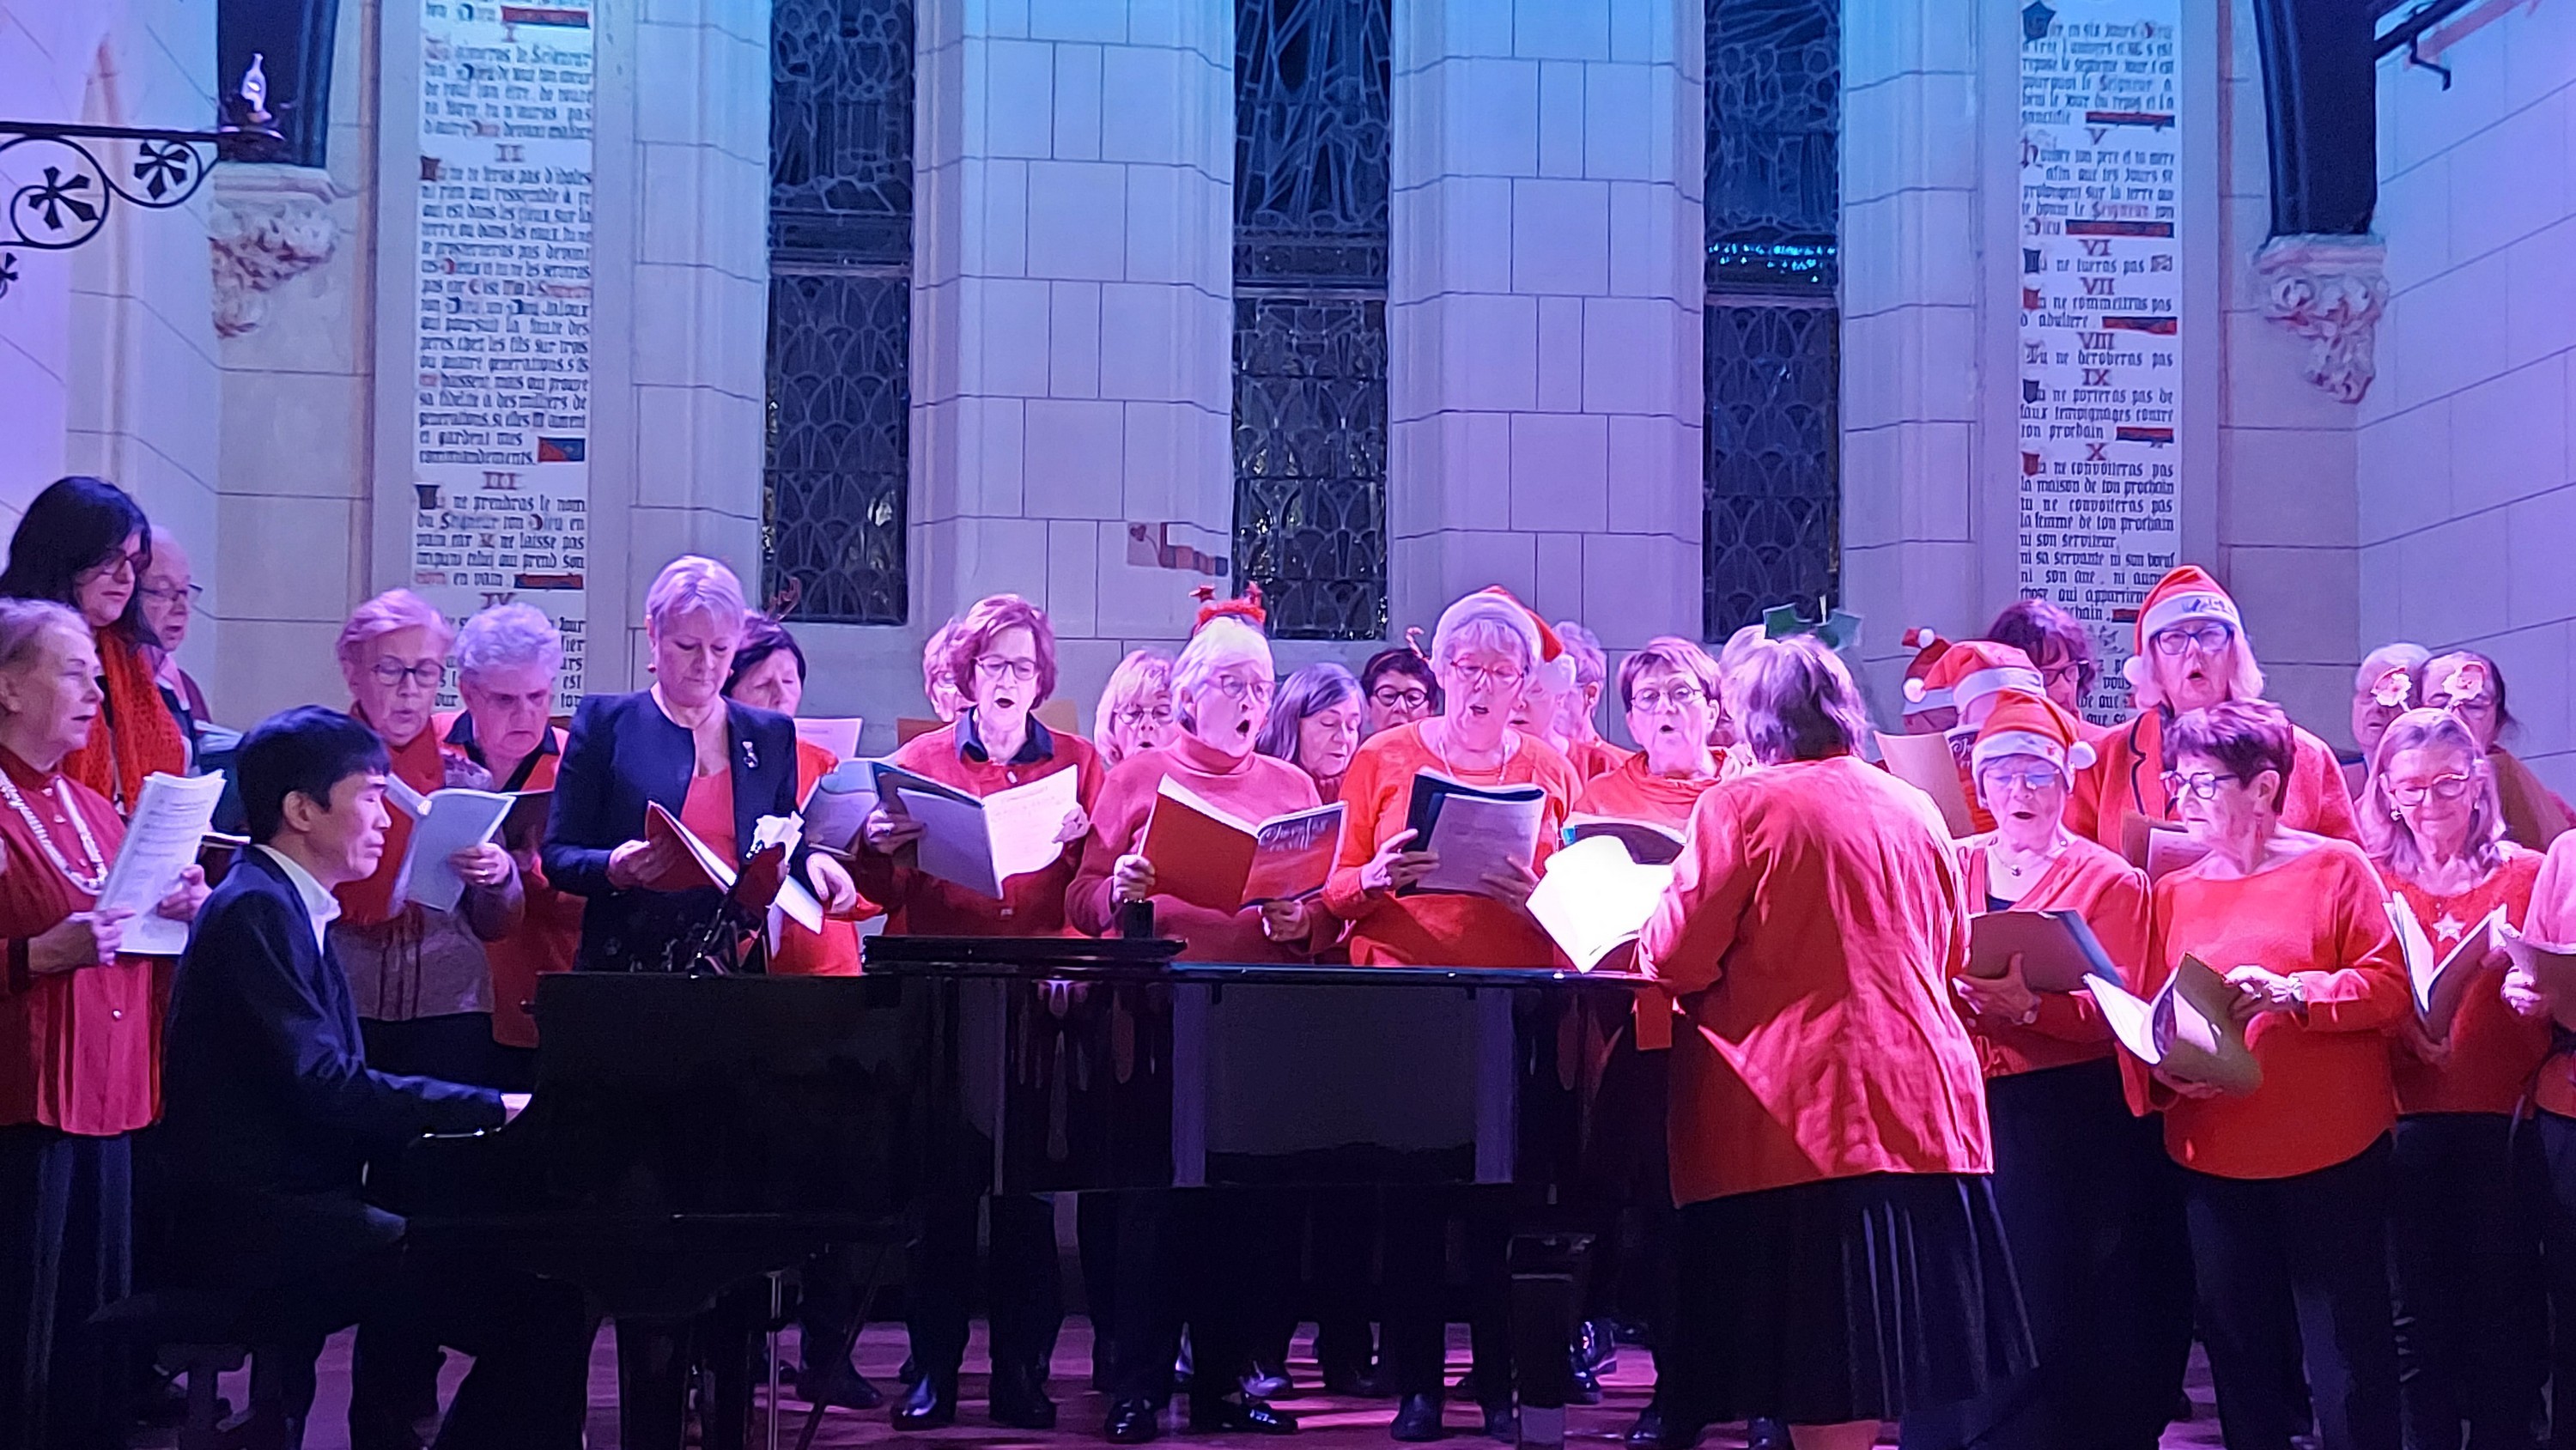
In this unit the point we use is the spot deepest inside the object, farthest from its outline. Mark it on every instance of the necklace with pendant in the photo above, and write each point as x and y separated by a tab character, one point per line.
89	882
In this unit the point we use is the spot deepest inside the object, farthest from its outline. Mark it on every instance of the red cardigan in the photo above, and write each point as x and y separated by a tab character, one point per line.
1815	919
2326	1092
2493	1049
1436	929
1254	788
2128	779
2111	896
1032	903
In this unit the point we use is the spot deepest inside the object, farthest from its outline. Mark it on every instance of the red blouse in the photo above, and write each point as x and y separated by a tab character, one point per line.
1032	903
2128	779
1437	928
2552	922
79	1050
1593	757
707	811
1815	920
2493	1050
2326	1092
2111	896
1254	788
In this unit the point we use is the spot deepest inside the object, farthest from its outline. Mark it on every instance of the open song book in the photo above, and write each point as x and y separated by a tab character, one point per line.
1475	830
2188	1030
979	842
2058	951
700	866
1596	898
1208	857
2441	980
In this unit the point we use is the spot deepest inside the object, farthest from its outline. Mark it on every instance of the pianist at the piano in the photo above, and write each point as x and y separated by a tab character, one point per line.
273	1113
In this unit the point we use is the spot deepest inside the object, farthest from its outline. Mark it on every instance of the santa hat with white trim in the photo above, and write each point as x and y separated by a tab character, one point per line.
1928	648
1548	654
2186	595
1974	671
2025	722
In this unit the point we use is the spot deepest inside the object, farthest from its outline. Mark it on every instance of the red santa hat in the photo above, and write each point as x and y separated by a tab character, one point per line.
2026	722
1928	648
1248	608
1972	672
2183	596
1549	658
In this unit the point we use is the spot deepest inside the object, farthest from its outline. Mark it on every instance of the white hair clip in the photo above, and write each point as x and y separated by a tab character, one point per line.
2466	683
2392	688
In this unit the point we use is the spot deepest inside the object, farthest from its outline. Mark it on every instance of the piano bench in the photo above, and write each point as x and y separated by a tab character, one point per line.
197	1337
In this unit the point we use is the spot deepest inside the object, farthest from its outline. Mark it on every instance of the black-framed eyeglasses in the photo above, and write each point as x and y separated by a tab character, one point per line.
428	674
185	596
2196	787
2051	676
2209	638
120	565
1401	699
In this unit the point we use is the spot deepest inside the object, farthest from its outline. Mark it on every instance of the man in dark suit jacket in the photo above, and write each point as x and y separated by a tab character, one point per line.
273	1114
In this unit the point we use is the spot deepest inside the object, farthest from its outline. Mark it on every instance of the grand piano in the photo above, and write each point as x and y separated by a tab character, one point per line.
692	1133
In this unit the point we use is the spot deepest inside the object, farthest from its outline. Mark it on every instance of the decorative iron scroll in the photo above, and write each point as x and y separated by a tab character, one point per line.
70	178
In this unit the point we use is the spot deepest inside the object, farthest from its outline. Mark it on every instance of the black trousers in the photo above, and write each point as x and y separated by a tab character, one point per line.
2556	1139
400	1356
1414	1339
1194	1256
1342	1225
66	1251
530	1339
1022	1298
2079	1183
2472	1301
2293	1273
1627	1196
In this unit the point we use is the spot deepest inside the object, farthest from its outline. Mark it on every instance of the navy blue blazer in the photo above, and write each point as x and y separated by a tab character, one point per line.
271	1112
622	754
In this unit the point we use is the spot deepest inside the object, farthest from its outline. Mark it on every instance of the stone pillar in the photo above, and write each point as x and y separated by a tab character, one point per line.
1544	308
1072	325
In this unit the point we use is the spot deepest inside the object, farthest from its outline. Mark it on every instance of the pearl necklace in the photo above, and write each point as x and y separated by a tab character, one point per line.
97	877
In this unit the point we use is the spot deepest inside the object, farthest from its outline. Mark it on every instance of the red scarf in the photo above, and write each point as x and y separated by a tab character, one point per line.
134	735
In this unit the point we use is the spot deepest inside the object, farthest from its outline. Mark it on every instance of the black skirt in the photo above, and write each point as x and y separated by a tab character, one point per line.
1850	1299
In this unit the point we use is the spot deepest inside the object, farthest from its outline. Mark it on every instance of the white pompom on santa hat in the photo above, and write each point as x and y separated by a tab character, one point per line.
2029	723
1928	647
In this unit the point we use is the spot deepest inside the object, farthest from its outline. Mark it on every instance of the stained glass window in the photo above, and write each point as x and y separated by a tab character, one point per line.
1310	267
840	311
1771	506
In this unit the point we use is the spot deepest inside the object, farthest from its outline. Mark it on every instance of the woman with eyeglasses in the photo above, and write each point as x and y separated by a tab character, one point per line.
1135	712
2079	1179
84	543
2059	645
1485	646
2472	1318
1400	688
168	599
1002	656
1218	1247
2469	685
2286	1189
2191	654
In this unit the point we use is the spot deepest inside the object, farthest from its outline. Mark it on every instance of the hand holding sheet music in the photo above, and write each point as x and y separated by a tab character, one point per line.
2188	1031
1475	833
443	823
171	816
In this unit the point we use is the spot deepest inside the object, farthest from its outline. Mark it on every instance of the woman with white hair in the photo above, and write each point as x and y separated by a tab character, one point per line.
716	765
2191	654
2387	685
507	660
1830	1146
1482	653
2464	1235
1222	687
1135	712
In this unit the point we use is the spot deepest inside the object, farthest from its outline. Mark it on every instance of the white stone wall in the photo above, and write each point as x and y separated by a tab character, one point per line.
2467	512
1544	310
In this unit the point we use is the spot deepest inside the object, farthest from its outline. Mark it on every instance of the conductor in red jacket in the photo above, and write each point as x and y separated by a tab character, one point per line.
1830	1148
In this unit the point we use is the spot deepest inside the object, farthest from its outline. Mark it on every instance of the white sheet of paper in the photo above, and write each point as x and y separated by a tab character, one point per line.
1475	838
1026	819
839	736
1595	896
2131	1018
445	822
171	817
793	901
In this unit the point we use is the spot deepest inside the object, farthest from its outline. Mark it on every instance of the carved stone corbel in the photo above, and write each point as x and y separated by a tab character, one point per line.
268	223
2330	290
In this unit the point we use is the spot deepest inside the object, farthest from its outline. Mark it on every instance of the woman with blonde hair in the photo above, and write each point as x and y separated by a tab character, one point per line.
1135	713
2472	1320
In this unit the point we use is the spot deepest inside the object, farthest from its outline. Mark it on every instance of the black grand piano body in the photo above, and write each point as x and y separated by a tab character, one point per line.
689	1133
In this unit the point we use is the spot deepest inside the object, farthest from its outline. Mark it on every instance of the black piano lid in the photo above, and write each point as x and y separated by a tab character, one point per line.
1086	959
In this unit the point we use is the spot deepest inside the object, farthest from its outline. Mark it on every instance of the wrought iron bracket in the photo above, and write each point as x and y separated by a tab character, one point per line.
69	179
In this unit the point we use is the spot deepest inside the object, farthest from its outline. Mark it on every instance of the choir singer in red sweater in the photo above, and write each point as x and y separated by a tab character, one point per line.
1830	1148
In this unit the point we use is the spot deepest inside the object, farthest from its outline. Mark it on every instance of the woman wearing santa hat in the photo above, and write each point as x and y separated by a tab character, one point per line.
2472	1322
2192	653
1484	649
2286	1187
1971	676
2080	1181
2469	685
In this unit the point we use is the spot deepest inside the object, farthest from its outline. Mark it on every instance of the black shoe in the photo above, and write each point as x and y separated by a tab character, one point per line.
1656	1430
1582	1386
928	1405
1268	1380
909	1371
839	1386
1132	1422
1596	1345
1019	1400
1249	1415
1356	1381
1764	1433
1501	1424
1417	1419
